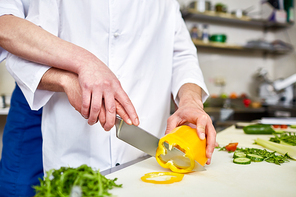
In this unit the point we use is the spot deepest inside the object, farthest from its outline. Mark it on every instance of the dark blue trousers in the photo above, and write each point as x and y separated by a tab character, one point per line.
21	160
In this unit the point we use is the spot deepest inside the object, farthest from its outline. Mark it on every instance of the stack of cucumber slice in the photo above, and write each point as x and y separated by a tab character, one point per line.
242	158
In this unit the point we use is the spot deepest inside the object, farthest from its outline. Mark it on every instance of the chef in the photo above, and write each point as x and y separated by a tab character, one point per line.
147	47
21	159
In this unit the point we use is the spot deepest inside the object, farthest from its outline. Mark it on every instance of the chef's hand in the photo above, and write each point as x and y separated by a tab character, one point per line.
102	96
58	80
190	112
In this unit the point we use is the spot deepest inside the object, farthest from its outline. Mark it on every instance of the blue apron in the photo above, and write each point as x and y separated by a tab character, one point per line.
21	161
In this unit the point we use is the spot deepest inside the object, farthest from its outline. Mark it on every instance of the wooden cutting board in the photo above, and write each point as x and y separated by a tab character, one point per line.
221	178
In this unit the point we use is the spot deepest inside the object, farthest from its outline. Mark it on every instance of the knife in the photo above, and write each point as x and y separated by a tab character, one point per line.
148	143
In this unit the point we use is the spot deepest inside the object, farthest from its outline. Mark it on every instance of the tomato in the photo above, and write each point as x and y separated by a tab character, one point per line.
231	147
247	102
276	126
284	126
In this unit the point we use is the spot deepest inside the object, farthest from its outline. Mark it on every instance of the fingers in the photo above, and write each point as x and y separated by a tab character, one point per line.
128	107
102	116
173	122
110	110
95	107
98	111
211	141
86	94
201	126
122	113
119	110
104	101
204	127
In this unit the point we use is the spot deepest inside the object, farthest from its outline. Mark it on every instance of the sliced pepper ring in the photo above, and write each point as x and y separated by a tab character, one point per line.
172	177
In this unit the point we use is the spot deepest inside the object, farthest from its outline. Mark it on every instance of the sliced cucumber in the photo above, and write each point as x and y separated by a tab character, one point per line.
239	155
279	131
242	161
255	158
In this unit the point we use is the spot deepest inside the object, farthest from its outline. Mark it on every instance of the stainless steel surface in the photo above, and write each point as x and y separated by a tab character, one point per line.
122	166
148	143
136	137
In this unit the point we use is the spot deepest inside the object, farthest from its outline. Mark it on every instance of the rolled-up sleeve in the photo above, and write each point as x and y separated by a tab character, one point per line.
185	63
28	74
3	54
11	7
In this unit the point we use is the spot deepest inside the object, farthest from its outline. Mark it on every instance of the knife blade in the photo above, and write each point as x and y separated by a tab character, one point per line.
148	143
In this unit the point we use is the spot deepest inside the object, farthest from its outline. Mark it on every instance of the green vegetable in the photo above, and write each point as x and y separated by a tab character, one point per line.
60	182
255	158
242	160
270	157
293	126
238	154
258	129
285	138
279	148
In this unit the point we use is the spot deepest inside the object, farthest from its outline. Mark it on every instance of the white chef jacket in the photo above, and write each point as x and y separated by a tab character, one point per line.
17	8
148	47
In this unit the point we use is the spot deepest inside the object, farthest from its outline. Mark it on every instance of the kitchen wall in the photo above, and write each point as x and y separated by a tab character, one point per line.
6	81
238	68
285	66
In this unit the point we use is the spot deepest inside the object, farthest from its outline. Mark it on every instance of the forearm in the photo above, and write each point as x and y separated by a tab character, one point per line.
190	92
56	80
24	39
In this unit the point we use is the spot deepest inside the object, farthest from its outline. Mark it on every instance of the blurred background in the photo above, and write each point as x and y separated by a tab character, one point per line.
246	52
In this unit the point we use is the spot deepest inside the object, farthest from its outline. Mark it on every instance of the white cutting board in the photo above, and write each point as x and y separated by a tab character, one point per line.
221	178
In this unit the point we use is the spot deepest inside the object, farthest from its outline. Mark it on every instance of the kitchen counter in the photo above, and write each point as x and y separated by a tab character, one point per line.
221	178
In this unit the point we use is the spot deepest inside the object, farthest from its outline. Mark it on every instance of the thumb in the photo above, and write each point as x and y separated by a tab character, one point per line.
201	126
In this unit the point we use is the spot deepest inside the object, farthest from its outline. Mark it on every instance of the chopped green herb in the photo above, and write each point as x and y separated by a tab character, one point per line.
270	157
60	182
286	138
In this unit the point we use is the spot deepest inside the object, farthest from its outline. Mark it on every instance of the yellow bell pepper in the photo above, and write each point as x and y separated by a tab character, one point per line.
171	177
185	139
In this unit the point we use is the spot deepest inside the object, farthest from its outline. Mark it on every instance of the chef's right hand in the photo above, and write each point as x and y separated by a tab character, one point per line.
101	90
74	93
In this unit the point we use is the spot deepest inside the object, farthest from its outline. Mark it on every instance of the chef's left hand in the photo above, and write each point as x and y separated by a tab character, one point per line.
190	112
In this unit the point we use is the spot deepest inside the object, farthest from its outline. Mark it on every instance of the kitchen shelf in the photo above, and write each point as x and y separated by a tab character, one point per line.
213	16
224	46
